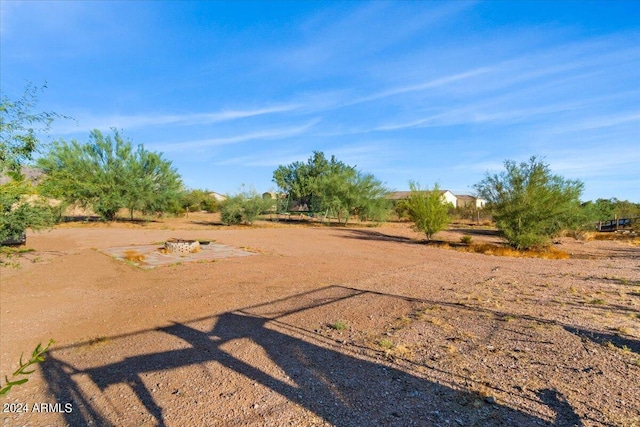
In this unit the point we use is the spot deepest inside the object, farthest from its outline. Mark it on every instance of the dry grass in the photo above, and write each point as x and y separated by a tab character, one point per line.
403	351
631	238
133	256
501	250
496	250
622	330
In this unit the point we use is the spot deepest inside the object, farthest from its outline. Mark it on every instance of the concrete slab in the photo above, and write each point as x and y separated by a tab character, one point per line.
151	256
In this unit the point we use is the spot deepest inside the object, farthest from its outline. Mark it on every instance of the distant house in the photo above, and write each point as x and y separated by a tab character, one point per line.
465	200
447	196
219	197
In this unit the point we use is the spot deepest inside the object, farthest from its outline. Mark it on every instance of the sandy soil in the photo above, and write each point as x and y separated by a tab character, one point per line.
354	326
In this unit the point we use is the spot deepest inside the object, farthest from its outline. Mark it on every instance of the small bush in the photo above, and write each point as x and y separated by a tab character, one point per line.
427	210
466	239
244	208
339	325
386	344
198	200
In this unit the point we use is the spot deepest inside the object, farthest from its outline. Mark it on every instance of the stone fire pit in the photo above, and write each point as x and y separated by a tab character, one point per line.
174	251
181	246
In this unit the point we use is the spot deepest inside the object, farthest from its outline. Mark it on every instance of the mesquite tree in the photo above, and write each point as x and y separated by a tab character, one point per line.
107	174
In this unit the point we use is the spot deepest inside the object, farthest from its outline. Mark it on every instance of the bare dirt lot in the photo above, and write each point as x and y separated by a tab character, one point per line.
353	326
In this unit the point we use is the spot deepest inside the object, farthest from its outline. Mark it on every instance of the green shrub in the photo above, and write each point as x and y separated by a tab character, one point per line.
427	210
244	208
466	239
386	343
529	204
198	200
339	325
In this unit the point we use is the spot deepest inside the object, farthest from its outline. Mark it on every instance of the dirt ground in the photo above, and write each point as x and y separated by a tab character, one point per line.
355	326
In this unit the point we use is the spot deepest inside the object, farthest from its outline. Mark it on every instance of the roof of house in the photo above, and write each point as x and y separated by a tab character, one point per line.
219	197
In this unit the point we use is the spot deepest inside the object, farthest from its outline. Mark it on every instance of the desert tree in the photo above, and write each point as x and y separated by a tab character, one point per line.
427	209
333	187
301	181
107	174
348	192
530	204
20	128
20	205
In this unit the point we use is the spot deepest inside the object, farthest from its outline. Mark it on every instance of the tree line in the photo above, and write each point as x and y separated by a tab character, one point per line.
528	203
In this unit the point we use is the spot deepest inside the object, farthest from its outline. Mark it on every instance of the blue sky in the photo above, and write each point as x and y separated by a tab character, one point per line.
426	91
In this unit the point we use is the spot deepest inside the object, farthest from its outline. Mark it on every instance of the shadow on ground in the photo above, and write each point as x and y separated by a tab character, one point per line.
377	236
477	231
340	387
606	338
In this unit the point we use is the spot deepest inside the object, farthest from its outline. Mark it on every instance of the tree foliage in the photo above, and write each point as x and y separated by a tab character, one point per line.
107	174
19	127
198	200
530	204
244	207
301	181
333	187
608	209
20	206
427	209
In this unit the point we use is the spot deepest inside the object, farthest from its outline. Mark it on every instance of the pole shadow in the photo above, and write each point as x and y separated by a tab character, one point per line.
341	388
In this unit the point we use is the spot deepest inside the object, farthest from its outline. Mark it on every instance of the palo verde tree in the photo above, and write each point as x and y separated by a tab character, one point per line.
333	187
346	192
107	174
530	204
427	209
20	206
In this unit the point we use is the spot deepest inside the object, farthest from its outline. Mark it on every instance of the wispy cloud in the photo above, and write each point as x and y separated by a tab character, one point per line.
596	162
155	120
441	81
598	122
263	134
273	159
